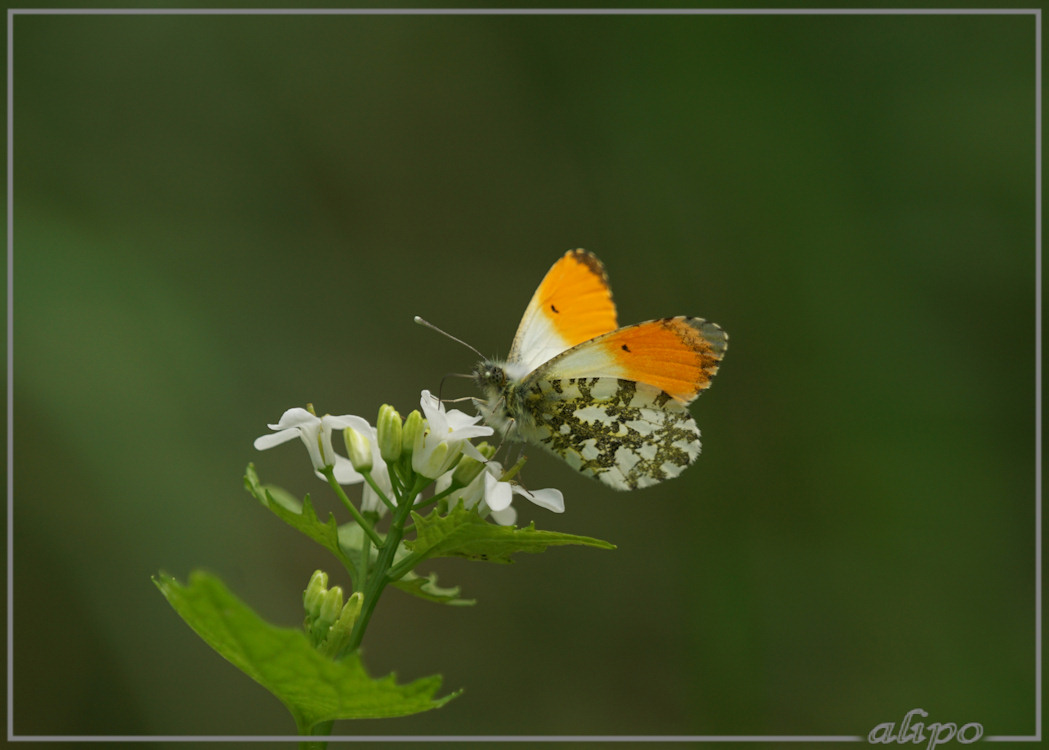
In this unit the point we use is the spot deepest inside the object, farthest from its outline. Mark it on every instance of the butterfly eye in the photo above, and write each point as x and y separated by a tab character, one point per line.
491	375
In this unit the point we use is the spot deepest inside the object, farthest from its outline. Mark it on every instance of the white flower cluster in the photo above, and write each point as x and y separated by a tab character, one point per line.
437	447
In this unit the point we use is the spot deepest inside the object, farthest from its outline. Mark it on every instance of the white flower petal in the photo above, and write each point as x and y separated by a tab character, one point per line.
442	482
497	495
268	441
459	419
549	498
470	432
505	517
370	500
470	450
344	471
295	417
315	433
451	425
431	407
349	420
312	439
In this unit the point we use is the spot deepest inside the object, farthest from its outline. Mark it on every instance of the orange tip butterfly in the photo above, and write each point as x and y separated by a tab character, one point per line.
612	402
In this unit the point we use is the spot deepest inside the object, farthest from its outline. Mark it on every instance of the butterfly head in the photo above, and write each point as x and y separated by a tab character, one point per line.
491	378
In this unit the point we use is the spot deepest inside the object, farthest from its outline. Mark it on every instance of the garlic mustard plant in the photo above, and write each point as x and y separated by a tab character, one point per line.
426	491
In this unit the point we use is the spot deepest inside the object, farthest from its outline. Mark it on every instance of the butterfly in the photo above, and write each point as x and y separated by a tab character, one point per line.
612	402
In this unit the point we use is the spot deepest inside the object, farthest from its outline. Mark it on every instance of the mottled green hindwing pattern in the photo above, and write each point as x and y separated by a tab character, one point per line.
626	434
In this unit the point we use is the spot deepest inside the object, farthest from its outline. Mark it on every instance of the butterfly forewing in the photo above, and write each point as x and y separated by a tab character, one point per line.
676	355
573	304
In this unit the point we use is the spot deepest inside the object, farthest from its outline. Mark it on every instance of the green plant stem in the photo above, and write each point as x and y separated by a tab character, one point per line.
438	496
382	495
408	563
366	550
379	577
329	472
512	471
398	472
318	730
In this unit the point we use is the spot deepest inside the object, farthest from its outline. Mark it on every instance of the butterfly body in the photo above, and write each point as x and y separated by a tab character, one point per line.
612	402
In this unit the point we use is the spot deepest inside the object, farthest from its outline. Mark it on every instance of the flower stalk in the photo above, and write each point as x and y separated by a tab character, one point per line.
379	577
329	474
427	460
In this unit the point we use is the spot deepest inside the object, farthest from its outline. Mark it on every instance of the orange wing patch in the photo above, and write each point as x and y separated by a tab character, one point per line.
677	355
576	298
573	304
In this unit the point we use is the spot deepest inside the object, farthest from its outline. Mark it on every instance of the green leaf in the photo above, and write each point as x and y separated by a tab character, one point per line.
300	516
463	533
351	538
313	687
427	588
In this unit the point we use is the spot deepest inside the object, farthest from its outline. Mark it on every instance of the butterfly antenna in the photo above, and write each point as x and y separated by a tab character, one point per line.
440	388
428	324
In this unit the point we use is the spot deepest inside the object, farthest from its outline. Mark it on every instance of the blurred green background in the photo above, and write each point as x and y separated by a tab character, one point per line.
217	218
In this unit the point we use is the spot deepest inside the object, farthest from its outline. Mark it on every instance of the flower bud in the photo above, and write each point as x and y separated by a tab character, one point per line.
331	608
466	471
389	433
413	425
314	593
339	634
359	449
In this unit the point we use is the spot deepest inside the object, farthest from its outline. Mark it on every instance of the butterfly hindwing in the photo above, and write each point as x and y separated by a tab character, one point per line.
573	304
626	434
